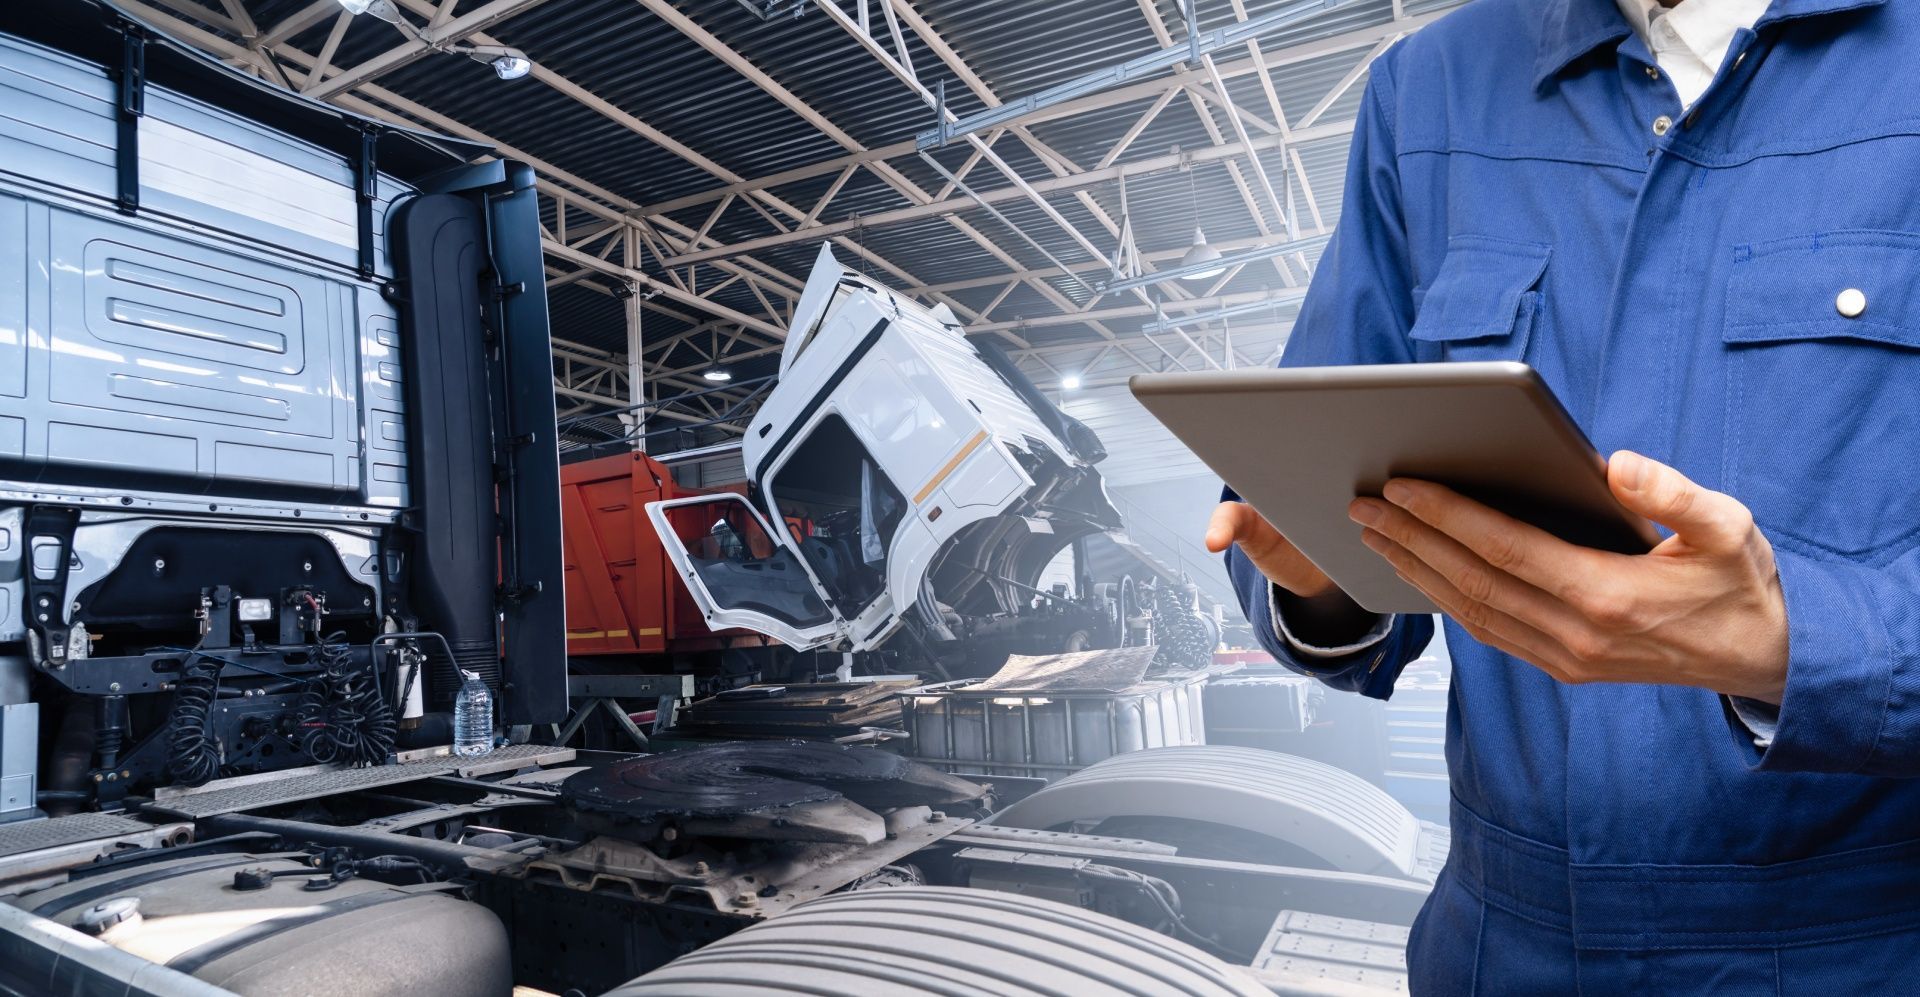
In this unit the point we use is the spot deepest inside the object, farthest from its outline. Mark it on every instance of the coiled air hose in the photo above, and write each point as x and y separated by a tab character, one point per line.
193	755
343	714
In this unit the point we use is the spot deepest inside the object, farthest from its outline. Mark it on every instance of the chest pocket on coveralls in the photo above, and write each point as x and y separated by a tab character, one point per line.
1822	335
1484	302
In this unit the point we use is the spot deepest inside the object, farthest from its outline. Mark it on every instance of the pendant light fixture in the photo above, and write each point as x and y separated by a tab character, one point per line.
1200	253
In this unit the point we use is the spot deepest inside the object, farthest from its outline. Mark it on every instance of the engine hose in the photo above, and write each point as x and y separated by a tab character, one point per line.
1163	896
343	714
193	753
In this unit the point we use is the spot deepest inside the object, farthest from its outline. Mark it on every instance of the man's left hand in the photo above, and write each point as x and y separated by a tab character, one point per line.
1704	608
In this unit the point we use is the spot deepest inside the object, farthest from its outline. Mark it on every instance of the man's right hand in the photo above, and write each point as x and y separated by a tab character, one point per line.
1278	559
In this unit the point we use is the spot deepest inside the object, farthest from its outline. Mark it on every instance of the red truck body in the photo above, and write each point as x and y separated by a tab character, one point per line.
623	597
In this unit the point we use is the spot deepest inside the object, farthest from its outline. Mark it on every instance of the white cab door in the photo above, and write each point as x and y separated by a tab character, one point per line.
739	573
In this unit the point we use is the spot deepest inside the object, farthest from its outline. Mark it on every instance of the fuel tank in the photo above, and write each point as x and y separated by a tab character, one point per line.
271	925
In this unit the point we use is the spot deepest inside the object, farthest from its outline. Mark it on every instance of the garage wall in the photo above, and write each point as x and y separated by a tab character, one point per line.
1139	449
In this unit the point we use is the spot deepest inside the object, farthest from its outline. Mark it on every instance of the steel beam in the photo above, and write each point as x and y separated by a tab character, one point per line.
1044	273
636	347
581	95
1259	298
1230	260
431	40
632	226
1346	82
1132	69
561	251
298	21
745	67
1228	309
219	46
981	148
949	206
1306	52
698	454
1234	118
413	115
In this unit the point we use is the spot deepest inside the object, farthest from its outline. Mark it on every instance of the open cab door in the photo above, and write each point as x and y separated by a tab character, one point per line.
739	574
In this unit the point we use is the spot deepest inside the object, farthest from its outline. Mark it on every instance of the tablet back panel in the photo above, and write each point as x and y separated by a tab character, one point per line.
1300	444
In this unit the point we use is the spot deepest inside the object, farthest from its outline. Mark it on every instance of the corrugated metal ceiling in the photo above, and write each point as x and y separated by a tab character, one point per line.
627	55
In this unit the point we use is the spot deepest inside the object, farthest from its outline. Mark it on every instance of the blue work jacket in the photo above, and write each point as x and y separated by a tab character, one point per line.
1524	186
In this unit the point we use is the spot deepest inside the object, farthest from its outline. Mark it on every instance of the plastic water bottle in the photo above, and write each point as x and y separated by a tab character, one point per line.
472	717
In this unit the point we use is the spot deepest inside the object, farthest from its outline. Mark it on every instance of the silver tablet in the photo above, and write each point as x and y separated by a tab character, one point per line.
1300	444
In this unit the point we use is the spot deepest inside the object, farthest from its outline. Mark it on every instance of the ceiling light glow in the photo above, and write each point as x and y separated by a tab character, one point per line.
511	67
382	9
1199	254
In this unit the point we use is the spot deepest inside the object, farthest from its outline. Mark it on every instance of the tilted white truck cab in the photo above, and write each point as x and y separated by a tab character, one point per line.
899	473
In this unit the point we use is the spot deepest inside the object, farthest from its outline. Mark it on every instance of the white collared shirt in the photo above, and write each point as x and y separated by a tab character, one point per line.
1690	41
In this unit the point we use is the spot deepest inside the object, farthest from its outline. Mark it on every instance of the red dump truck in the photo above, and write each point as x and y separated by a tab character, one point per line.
624	603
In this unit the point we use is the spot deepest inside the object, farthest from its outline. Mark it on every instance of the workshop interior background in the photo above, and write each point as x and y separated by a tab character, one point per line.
701	153
464	412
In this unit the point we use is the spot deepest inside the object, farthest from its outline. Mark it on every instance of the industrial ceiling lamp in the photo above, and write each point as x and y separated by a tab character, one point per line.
1199	254
510	67
1071	382
507	63
768	10
718	374
382	9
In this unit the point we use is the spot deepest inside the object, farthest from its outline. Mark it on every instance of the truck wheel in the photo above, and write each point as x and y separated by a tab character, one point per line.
948	941
1337	820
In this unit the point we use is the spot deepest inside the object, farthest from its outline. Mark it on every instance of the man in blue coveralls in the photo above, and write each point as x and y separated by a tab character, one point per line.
1690	770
